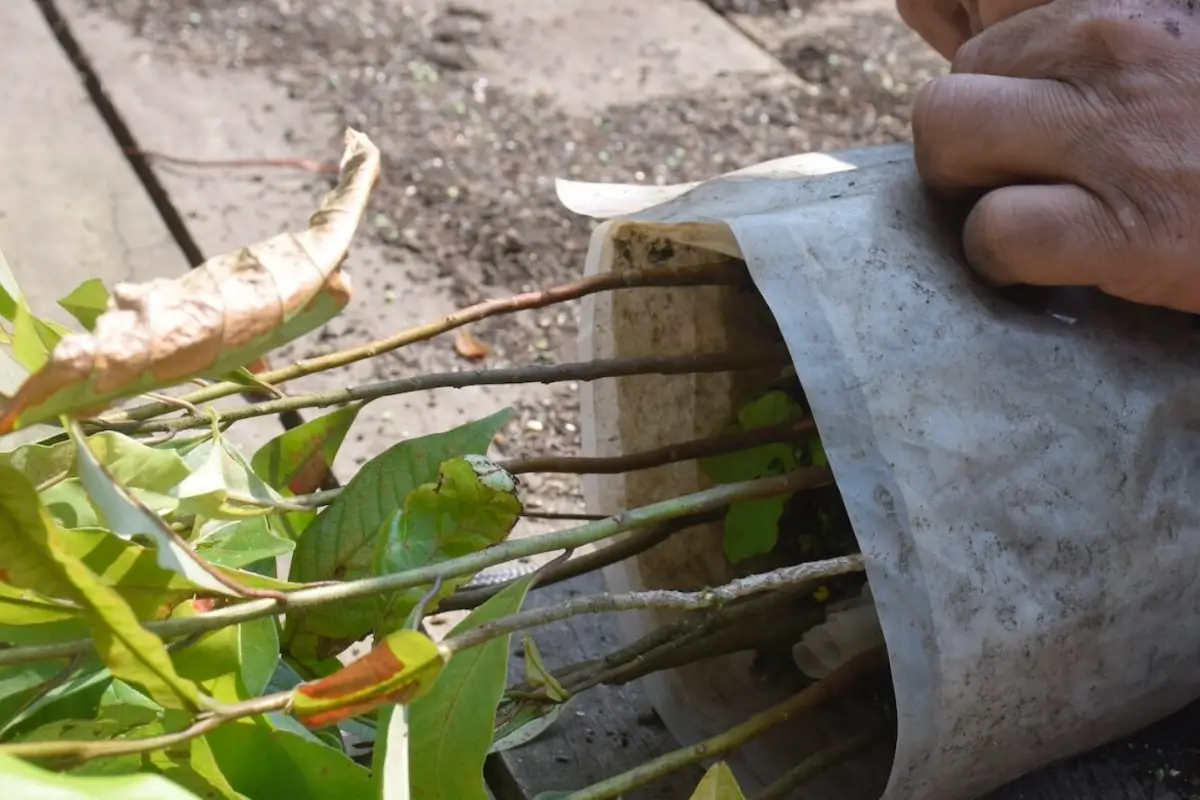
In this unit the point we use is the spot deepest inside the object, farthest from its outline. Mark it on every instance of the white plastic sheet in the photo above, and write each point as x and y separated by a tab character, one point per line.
1025	486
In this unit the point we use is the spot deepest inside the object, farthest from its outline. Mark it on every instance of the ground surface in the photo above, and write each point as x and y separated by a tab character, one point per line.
467	201
477	107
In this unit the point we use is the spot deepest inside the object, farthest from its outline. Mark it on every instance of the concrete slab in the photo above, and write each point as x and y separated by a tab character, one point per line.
71	207
589	54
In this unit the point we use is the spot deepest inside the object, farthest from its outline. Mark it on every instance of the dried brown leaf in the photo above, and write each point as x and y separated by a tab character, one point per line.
224	314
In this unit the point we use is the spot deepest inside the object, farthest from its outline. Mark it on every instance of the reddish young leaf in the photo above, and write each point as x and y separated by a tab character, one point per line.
399	670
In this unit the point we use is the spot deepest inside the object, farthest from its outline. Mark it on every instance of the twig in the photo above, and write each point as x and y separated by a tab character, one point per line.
718	635
631	545
77	751
47	686
563	515
590	371
305	164
817	763
663	599
720	274
298	600
816	694
648	459
673	644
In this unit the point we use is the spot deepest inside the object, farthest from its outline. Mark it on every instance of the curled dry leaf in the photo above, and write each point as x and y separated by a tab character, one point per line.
220	316
467	346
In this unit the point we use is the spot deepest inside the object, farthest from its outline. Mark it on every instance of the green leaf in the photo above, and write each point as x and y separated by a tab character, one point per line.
23	780
527	718
472	506
86	302
718	784
390	758
238	543
194	767
126	517
233	663
450	728
264	763
32	339
340	544
222	485
528	722
28	618
752	528
19	682
130	569
536	673
299	460
32	548
816	454
146	473
10	291
135	465
78	697
40	463
773	408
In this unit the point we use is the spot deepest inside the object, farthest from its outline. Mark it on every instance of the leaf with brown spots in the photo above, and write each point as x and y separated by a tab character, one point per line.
217	318
399	670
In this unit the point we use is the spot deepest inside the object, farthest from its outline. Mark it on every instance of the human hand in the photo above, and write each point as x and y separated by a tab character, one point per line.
1082	118
947	24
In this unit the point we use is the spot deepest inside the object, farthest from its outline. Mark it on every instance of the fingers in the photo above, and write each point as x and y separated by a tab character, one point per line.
1028	44
982	131
1057	235
992	12
943	24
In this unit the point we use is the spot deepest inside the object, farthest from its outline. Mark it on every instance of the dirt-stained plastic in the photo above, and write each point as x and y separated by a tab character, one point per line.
1022	470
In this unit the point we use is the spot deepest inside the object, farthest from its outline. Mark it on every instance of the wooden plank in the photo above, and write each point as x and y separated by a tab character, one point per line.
71	207
604	731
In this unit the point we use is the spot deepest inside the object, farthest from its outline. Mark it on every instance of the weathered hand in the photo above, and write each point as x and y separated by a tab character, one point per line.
947	24
1083	119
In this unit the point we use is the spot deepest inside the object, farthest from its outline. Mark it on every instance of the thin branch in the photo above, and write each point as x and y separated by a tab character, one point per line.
662	599
78	751
609	669
303	164
815	695
720	274
719	445
636	543
311	597
553	373
704	642
46	687
308	502
817	763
